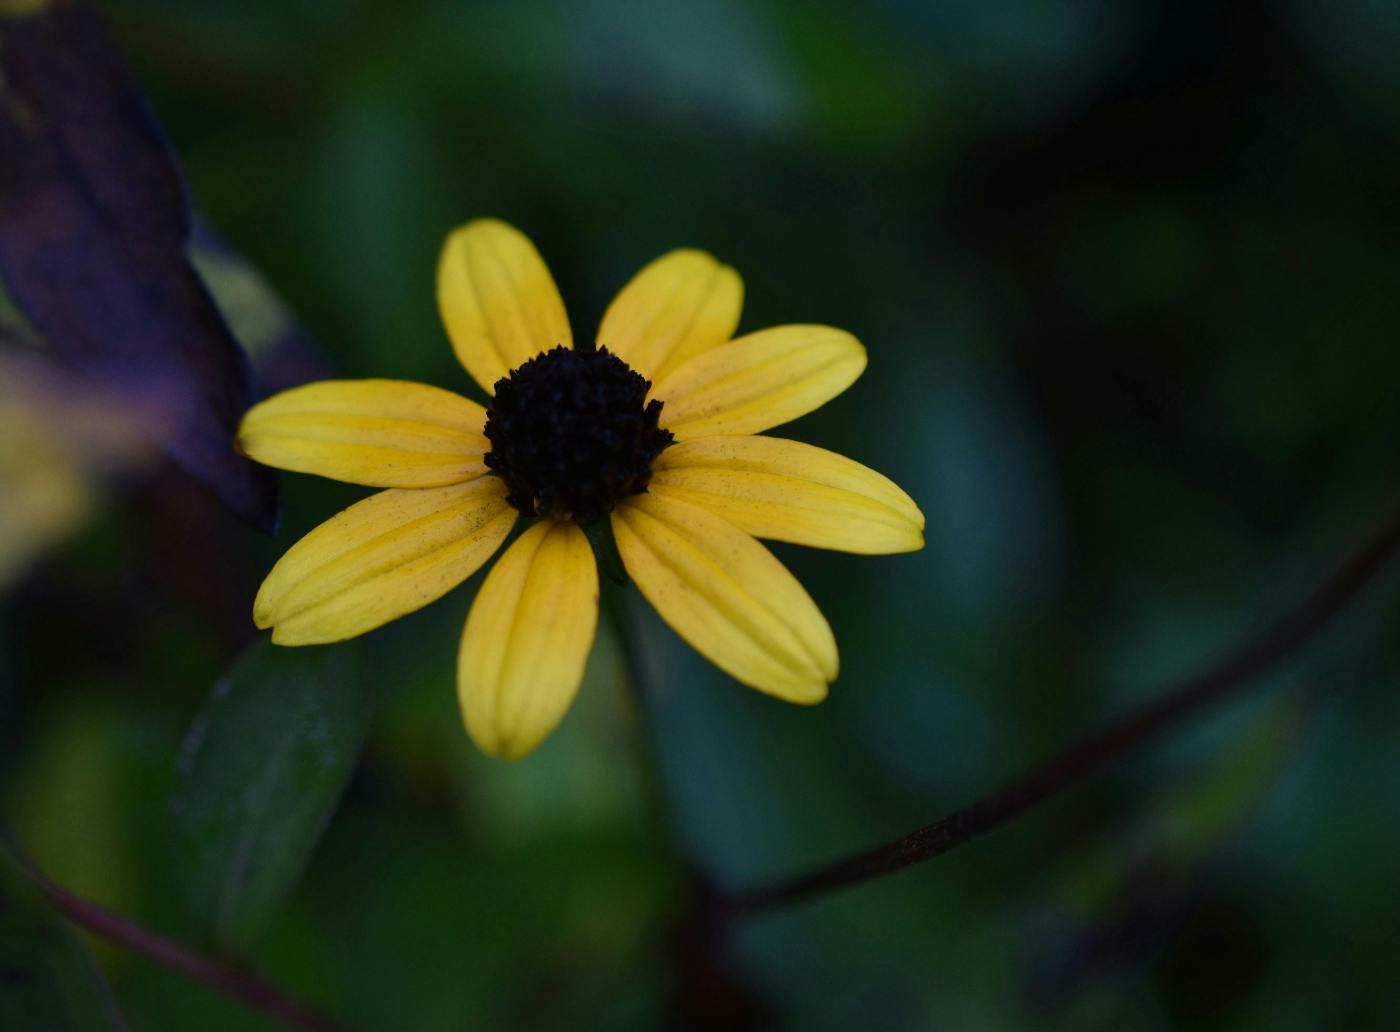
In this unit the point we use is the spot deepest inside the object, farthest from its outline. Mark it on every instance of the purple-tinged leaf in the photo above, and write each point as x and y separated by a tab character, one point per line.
94	223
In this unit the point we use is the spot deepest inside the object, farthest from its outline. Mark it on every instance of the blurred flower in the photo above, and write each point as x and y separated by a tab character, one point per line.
21	8
58	438
573	434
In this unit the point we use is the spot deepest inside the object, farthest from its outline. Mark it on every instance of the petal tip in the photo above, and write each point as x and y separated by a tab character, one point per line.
510	746
809	693
264	611
689	254
498	748
911	542
479	224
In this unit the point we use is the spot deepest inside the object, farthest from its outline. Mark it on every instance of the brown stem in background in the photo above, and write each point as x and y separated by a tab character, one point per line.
253	991
1227	675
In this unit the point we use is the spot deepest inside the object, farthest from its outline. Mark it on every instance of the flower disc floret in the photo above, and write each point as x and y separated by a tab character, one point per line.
572	434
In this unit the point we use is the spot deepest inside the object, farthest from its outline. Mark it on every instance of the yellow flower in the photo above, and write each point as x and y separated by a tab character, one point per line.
654	427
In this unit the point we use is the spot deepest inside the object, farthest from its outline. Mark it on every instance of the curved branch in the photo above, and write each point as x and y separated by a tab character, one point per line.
246	987
1227	675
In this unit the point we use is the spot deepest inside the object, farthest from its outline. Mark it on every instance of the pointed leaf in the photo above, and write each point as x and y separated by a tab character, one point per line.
261	772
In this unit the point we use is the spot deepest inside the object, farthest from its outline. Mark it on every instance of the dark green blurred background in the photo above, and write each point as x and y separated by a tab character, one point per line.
1129	276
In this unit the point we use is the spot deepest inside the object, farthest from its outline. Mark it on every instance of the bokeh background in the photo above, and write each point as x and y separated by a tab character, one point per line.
1129	276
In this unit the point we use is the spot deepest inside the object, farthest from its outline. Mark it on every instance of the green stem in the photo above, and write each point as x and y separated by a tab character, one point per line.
615	603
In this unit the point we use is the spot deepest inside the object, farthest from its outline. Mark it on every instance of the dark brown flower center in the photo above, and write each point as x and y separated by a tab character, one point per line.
572	433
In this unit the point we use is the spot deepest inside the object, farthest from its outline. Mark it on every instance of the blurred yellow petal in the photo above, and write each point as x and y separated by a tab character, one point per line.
527	639
44	492
759	381
61	438
381	433
383	557
679	306
20	8
498	300
789	491
727	596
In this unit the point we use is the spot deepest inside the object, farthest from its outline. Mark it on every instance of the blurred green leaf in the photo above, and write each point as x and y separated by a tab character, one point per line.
47	979
77	765
1121	898
261	772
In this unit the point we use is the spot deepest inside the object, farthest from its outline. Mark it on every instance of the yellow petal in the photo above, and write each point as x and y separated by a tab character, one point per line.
527	638
383	557
498	300
680	305
759	381
381	433
21	8
727	596
790	491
